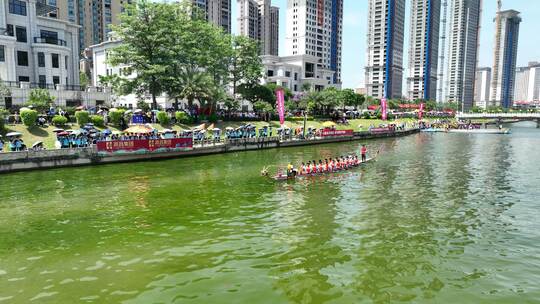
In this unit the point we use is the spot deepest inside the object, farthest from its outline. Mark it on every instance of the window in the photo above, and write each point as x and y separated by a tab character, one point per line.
66	62
2	53
41	59
24	79
17	7
270	73
22	58
56	80
20	32
9	30
42	81
55	61
50	37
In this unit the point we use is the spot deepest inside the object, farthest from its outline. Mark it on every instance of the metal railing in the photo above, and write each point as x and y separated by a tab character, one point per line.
498	115
49	40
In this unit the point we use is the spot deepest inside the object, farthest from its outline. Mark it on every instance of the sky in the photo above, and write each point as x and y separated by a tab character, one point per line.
355	24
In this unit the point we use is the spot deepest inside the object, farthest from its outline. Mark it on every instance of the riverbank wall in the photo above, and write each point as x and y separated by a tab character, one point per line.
48	159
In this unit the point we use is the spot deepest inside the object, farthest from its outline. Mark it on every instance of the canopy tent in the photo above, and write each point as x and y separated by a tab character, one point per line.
37	143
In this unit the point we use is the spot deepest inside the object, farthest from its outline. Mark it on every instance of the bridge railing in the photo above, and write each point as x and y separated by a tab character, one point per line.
498	115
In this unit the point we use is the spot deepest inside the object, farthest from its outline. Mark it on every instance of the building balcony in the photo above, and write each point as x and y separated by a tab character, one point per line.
48	40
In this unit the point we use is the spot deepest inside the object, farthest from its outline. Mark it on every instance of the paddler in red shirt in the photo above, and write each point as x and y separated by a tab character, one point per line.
363	151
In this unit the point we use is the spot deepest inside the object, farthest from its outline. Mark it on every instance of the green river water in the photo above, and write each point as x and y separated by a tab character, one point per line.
439	218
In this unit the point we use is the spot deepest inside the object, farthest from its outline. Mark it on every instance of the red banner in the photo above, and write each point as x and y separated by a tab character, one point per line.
421	111
333	133
383	108
149	145
280	105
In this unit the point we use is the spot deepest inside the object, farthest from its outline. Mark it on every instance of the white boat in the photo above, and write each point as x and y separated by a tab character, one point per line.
480	131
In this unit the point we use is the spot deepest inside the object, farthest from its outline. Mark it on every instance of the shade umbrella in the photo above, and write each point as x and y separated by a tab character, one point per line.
13	134
138	111
127	112
37	143
328	124
76	132
24	109
106	131
80	108
57	130
167	131
216	129
62	134
139	129
200	127
229	128
100	111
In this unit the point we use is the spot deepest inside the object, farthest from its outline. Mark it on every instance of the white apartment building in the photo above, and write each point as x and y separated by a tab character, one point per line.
314	28
424	49
464	34
39	51
385	38
293	72
217	12
260	21
527	88
505	57
481	87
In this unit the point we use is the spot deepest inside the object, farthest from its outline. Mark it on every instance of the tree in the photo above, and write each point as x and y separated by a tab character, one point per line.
306	87
40	99
193	84
257	92
274	87
245	64
83	79
145	48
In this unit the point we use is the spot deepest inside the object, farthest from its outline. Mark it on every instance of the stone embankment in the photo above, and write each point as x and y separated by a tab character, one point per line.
47	159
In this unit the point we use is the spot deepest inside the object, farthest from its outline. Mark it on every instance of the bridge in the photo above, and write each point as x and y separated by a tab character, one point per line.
499	117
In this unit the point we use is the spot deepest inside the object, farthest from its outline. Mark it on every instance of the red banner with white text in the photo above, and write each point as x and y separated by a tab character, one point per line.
334	133
149	145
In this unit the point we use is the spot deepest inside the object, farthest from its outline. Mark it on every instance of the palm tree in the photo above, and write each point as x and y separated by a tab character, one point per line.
189	83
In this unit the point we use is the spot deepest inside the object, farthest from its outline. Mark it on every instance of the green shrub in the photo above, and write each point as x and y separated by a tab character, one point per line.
29	117
299	118
163	118
83	117
97	120
366	115
182	117
212	118
116	116
59	120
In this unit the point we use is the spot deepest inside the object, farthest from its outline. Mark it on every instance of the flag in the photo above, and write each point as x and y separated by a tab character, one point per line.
280	105
383	108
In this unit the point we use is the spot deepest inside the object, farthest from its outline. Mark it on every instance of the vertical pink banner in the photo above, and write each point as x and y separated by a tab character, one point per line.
280	105
421	111
383	108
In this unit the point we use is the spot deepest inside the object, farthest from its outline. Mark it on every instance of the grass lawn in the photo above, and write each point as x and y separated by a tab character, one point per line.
48	137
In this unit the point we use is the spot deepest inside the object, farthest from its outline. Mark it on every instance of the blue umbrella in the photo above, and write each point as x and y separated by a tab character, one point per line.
106	131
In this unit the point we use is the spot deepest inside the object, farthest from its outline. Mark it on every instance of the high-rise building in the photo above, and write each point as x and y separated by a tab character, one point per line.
527	88
481	87
93	16
260	21
463	52
424	49
384	65
314	27
274	30
505	55
217	12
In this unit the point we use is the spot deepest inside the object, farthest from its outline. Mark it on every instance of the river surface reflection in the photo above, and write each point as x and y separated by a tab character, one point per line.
438	217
